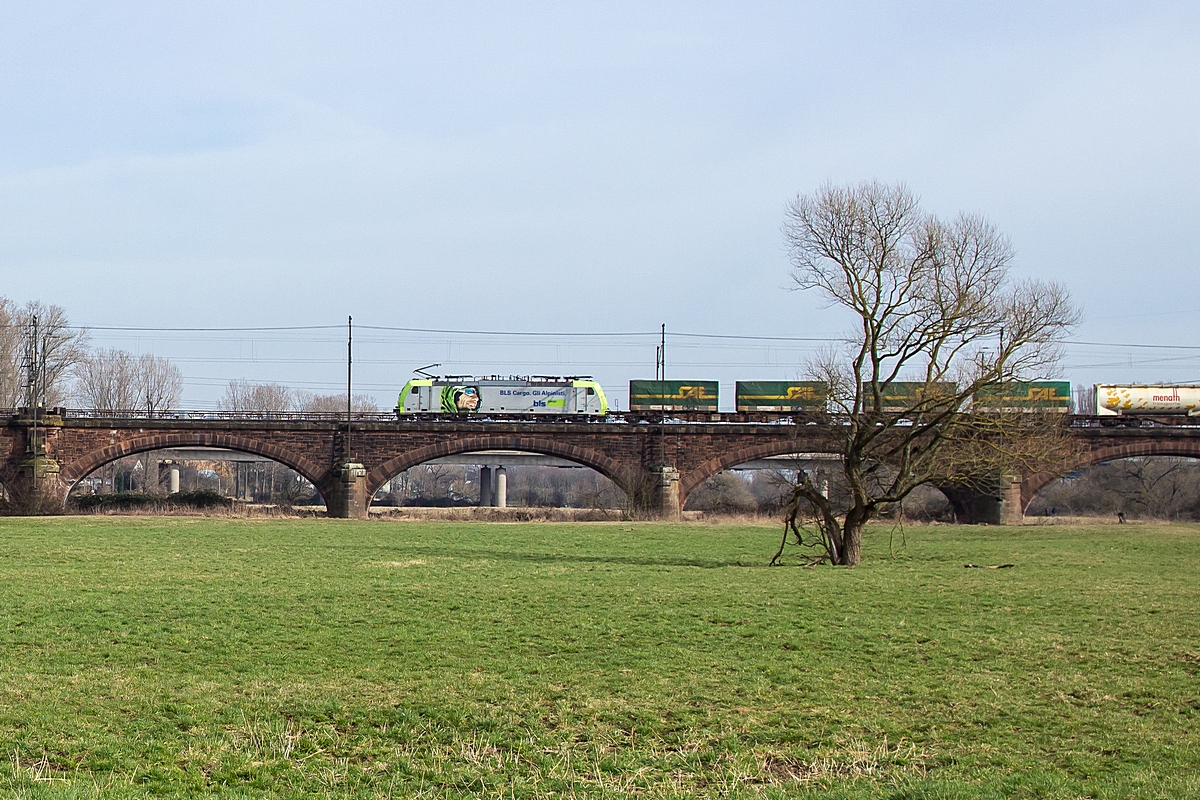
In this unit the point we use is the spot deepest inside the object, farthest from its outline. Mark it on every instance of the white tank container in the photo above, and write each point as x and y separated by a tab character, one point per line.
1146	399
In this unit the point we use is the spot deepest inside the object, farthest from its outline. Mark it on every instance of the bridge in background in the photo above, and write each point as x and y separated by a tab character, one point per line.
657	464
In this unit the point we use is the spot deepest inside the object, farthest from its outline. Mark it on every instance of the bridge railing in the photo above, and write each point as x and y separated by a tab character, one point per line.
1132	421
1078	421
220	416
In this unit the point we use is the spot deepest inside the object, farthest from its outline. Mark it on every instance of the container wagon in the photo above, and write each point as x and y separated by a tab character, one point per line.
1024	396
673	396
781	396
900	396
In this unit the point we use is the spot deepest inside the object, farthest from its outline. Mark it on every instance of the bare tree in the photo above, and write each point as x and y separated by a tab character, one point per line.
274	481
937	320
106	380
333	403
1154	487
436	484
724	493
241	395
11	350
114	381
59	348
159	384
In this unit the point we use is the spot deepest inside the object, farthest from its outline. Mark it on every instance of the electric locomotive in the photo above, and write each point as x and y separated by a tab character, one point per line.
539	395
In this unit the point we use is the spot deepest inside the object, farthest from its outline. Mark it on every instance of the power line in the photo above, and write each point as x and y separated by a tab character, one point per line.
136	329
543	334
759	338
508	333
1130	344
445	331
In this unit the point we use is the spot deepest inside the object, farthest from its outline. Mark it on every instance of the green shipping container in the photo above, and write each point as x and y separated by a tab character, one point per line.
903	395
673	395
781	395
1026	396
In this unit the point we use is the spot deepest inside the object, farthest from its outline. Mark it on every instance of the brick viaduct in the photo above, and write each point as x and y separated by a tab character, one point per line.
657	465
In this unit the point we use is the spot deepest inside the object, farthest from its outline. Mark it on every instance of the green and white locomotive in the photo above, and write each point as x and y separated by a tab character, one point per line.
540	395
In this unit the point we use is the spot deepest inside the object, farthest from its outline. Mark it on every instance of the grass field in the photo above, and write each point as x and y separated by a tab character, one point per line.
235	658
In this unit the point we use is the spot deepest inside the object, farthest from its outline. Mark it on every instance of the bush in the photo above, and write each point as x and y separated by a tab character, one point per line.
724	493
131	501
1152	487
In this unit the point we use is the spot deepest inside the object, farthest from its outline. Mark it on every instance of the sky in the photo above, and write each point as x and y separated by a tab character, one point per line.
571	168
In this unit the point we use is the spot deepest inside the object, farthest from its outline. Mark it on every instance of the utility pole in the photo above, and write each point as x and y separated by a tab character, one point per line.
350	500
1000	355
660	356
665	474
38	471
33	381
660	368
349	375
660	372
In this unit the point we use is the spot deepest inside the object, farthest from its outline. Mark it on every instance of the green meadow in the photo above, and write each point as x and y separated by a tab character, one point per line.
194	657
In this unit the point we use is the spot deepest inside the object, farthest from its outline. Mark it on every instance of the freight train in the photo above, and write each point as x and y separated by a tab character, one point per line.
575	396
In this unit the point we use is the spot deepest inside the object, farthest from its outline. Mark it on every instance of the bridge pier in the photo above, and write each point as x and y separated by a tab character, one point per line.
485	487
348	498
36	489
35	486
664	496
993	502
500	497
1012	507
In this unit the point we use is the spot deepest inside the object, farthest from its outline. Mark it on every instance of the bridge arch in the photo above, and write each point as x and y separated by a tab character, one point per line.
618	473
80	468
707	469
1183	448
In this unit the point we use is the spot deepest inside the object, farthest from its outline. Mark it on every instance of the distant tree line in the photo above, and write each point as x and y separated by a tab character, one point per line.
74	373
1156	487
117	381
529	487
243	395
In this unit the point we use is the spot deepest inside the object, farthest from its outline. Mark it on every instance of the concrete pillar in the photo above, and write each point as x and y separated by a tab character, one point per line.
820	482
174	479
349	496
36	488
501	488
988	502
485	487
1011	510
667	490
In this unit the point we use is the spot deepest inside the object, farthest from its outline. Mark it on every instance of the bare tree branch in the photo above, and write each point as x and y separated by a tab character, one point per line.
938	321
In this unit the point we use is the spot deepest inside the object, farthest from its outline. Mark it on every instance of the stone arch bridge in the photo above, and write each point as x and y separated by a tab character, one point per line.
658	465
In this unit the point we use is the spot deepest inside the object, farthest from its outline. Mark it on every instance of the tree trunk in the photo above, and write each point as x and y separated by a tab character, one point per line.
851	547
852	530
